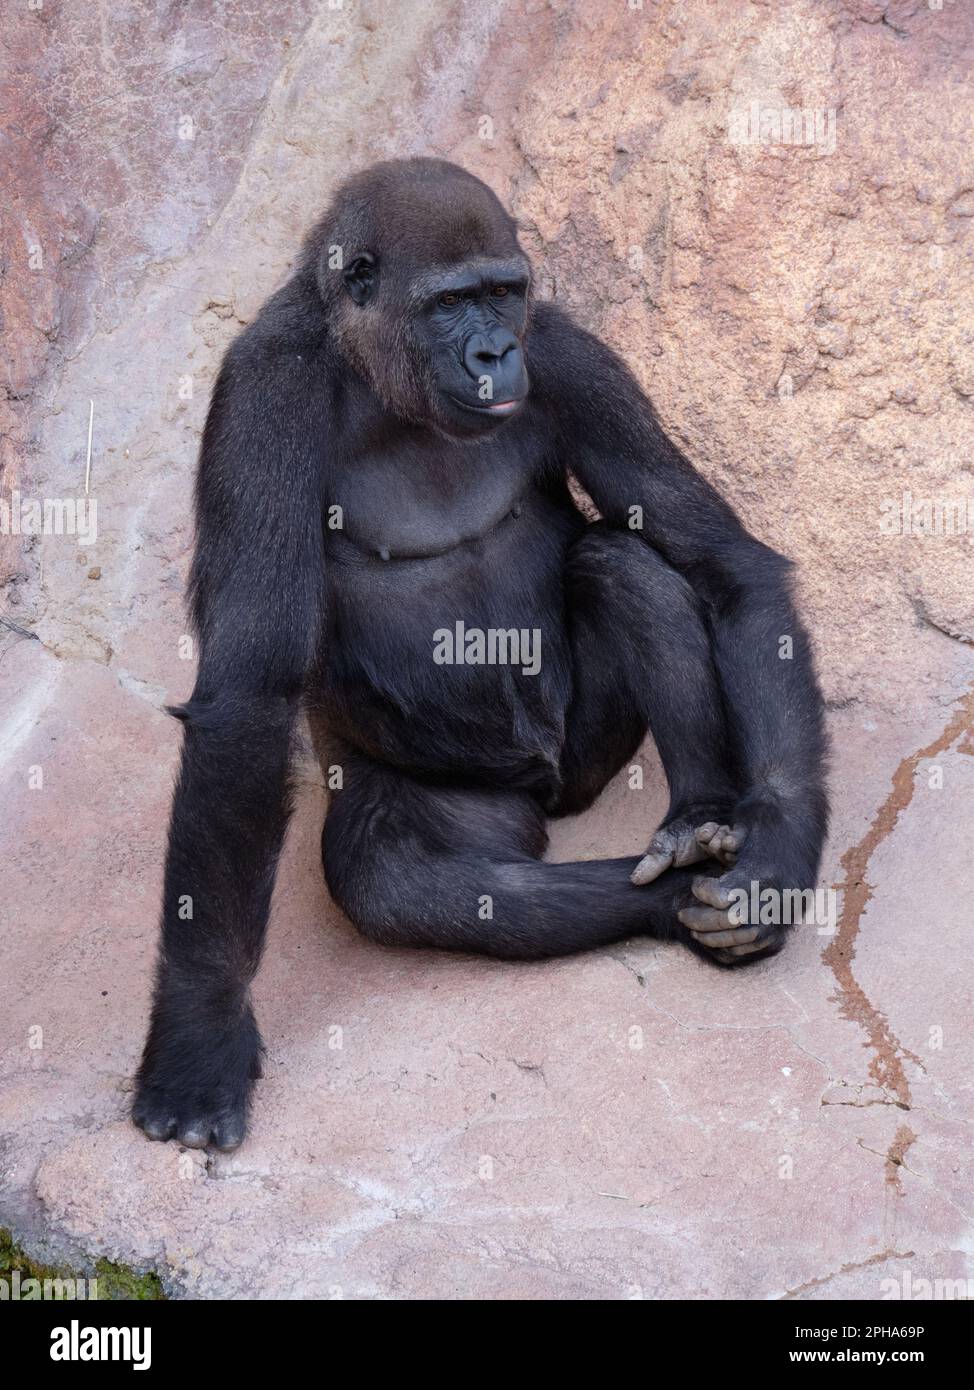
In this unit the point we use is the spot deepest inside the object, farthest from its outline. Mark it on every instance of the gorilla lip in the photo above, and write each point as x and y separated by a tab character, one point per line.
494	408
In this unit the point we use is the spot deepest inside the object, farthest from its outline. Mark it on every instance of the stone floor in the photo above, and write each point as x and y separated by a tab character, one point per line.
630	1123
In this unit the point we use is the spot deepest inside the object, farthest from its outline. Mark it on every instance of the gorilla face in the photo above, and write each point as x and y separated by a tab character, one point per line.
432	304
472	323
454	339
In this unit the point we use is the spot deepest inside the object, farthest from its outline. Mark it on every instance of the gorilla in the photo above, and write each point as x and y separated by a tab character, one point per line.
387	542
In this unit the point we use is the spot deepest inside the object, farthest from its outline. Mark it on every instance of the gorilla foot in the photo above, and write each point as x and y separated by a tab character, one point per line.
686	839
721	842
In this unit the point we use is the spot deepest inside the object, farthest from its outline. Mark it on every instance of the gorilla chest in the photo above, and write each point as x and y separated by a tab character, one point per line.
425	503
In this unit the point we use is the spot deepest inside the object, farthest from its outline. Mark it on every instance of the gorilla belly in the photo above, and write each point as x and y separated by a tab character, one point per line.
454	664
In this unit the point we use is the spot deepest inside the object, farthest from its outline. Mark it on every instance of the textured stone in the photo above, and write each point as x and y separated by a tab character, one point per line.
627	1124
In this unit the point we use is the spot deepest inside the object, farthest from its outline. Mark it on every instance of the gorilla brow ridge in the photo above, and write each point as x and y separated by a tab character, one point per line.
427	284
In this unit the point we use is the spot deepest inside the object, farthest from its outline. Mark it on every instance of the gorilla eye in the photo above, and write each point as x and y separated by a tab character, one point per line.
448	300
499	291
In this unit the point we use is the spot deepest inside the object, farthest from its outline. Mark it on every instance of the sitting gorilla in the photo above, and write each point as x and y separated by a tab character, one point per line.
387	540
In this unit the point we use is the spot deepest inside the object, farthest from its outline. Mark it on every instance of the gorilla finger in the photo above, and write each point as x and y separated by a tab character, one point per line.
740	936
732	838
651	866
710	835
688	851
711	892
195	1134
229	1134
703	919
722	846
750	949
156	1127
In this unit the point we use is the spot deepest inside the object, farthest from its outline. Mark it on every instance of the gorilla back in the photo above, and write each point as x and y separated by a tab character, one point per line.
385	537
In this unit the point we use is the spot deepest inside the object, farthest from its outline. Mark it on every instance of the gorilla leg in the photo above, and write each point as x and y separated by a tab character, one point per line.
418	865
641	656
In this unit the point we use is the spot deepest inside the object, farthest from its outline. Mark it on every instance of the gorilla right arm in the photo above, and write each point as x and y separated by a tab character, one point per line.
256	589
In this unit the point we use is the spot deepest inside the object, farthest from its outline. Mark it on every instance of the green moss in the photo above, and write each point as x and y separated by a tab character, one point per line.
115	1281
120	1281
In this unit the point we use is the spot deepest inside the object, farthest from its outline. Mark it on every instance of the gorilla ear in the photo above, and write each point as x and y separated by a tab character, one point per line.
359	278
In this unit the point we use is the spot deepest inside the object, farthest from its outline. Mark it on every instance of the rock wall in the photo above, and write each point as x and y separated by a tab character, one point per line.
800	312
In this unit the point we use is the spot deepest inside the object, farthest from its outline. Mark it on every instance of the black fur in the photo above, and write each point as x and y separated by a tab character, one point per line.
410	381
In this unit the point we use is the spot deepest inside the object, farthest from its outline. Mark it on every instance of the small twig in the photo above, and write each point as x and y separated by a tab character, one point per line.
91	421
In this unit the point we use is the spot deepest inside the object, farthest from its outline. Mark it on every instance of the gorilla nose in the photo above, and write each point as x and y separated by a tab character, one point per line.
487	353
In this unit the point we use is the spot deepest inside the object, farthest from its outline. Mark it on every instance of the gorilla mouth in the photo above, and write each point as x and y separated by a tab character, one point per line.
498	408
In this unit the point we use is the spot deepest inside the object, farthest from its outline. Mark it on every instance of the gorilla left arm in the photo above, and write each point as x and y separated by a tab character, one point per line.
621	456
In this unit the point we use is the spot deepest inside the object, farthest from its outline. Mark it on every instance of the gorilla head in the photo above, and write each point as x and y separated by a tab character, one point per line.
427	293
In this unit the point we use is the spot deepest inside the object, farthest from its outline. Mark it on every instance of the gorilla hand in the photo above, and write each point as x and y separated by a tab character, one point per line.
197	1074
745	913
720	920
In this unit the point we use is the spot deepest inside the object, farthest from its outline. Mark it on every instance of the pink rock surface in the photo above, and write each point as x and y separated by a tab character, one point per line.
631	1123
